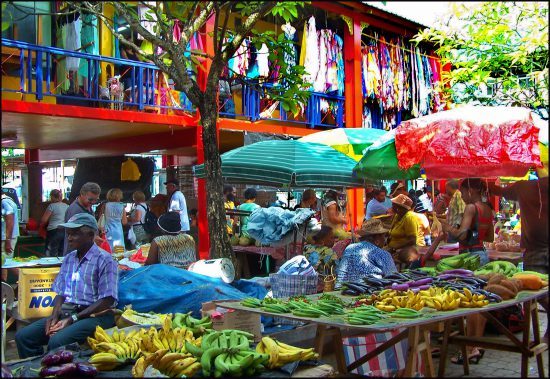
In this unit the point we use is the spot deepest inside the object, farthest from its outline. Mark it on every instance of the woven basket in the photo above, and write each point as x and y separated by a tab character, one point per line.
329	281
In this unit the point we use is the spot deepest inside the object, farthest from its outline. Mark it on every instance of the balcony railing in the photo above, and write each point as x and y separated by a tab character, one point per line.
36	67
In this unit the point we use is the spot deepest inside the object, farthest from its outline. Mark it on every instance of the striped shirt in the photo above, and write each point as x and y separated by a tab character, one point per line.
84	282
176	250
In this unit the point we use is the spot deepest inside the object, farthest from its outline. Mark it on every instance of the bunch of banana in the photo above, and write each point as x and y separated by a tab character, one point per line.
365	315
197	326
280	353
501	267
100	335
466	260
124	350
251	302
385	305
228	338
232	362
106	361
170	364
384	294
469	300
446	301
408	300
405	313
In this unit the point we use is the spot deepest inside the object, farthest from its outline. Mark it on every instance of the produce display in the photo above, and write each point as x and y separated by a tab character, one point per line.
500	267
281	353
60	365
466	260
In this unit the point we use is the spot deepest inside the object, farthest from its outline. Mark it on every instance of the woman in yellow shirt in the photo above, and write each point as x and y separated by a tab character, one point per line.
405	230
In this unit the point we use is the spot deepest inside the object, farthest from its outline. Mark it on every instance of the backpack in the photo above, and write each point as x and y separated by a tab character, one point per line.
150	222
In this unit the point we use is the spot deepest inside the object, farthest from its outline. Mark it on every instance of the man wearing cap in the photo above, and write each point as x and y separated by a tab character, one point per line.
405	230
367	256
177	203
86	287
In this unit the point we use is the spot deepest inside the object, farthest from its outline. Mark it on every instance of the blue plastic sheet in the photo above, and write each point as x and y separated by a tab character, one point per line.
166	289
269	225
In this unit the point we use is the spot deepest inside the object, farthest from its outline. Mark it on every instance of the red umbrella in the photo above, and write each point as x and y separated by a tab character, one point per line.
470	141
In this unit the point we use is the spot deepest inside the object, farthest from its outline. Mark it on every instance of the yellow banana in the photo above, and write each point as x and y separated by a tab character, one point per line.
273	351
138	368
260	348
115	335
190	370
167	359
101	358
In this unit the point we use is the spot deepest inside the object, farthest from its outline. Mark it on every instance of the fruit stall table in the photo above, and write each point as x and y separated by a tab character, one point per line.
448	250
417	333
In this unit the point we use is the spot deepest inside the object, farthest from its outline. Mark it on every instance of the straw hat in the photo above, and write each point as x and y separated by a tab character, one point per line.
403	201
372	226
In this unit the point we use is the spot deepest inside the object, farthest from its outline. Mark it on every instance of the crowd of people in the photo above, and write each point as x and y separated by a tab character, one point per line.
395	234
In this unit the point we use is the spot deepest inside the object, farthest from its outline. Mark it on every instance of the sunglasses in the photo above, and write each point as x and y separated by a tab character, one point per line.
91	200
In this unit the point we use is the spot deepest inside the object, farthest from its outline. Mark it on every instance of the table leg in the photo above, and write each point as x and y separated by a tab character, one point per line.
427	354
339	350
320	339
462	331
536	338
412	351
526	338
444	348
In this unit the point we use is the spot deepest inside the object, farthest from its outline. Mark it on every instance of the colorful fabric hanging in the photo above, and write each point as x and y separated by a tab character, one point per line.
311	63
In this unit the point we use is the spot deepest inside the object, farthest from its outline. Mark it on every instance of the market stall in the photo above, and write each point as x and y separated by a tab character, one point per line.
416	331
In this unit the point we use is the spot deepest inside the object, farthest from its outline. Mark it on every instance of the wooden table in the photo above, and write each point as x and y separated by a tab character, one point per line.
417	332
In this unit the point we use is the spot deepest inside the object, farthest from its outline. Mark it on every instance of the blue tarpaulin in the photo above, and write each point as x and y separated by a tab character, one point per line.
269	225
166	289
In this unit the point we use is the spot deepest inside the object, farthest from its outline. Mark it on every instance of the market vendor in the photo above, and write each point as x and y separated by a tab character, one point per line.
405	230
86	287
367	256
320	254
379	205
333	214
173	247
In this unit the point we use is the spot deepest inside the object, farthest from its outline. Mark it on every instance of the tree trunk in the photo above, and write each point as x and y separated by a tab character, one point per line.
220	246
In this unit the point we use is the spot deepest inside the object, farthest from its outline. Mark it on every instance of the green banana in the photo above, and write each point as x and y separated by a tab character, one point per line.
207	340
207	357
192	349
221	364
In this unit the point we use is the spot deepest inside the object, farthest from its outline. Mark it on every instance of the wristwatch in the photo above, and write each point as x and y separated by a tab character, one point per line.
74	317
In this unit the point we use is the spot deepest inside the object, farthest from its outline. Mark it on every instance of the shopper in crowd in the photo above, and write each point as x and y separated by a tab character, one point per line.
85	288
52	217
137	218
177	203
173	247
426	198
249	205
367	256
475	228
194	229
397	188
405	230
379	205
320	254
424	225
10	229
412	259
532	196
456	207
333	214
115	218
309	200
229	193
89	195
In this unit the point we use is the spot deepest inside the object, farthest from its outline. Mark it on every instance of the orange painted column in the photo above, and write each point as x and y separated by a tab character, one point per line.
354	110
202	217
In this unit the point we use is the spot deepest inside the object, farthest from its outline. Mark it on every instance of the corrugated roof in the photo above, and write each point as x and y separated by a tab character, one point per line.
402	14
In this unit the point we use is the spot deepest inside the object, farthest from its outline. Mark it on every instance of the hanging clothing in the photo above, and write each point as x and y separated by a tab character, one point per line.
262	60
129	170
289	58
311	63
319	85
72	42
89	40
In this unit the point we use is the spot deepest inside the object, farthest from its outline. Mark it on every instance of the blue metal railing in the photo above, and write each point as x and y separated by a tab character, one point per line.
36	66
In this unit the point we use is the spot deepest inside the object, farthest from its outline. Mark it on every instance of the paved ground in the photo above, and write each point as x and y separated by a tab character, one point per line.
495	364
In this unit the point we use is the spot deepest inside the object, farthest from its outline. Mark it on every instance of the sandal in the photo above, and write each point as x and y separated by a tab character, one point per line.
458	359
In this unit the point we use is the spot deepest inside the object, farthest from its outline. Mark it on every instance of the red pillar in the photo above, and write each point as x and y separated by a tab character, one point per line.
202	217
354	109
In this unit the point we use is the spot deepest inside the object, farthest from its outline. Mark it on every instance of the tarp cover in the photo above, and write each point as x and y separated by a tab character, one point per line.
470	141
269	225
166	289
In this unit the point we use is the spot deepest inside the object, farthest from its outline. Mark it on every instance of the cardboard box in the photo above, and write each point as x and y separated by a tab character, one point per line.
35	295
223	318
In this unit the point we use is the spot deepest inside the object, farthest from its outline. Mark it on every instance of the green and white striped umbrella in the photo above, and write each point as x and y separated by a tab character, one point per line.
282	163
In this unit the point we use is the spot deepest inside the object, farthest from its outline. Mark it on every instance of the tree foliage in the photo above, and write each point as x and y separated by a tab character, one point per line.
176	59
500	45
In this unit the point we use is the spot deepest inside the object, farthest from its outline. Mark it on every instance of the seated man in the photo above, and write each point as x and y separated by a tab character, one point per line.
412	259
366	257
86	287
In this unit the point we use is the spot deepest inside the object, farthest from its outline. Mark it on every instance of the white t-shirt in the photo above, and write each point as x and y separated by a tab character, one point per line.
9	207
426	202
178	204
58	214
